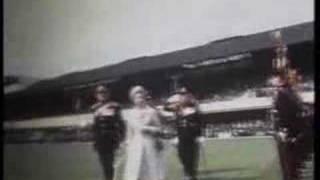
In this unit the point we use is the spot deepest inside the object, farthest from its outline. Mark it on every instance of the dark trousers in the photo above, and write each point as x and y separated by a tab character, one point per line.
188	151
106	157
293	155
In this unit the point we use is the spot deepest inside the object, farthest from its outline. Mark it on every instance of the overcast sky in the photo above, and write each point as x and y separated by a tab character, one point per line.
46	38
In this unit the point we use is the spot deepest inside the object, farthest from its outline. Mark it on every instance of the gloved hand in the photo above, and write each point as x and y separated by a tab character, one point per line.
282	135
174	141
201	139
293	140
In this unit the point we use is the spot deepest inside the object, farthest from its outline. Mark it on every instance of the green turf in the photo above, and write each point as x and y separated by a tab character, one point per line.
229	159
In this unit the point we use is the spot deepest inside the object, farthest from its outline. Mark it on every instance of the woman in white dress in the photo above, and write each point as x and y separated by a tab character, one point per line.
145	150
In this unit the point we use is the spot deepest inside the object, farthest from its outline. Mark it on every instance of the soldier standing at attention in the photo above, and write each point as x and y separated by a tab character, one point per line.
108	129
294	129
189	129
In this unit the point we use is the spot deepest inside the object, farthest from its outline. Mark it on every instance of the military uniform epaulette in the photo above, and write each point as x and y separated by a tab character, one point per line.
96	106
113	104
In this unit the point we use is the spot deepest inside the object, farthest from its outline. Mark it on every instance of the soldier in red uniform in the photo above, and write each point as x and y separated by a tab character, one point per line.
108	129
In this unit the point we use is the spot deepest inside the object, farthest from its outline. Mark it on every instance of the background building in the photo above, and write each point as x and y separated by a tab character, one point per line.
220	68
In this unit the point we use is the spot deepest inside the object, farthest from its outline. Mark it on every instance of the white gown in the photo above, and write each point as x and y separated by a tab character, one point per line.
144	160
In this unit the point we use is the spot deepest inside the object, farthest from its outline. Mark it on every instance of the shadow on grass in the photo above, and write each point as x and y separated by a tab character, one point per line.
230	178
207	172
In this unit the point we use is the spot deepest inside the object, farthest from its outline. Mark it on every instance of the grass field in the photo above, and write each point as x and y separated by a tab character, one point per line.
227	159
